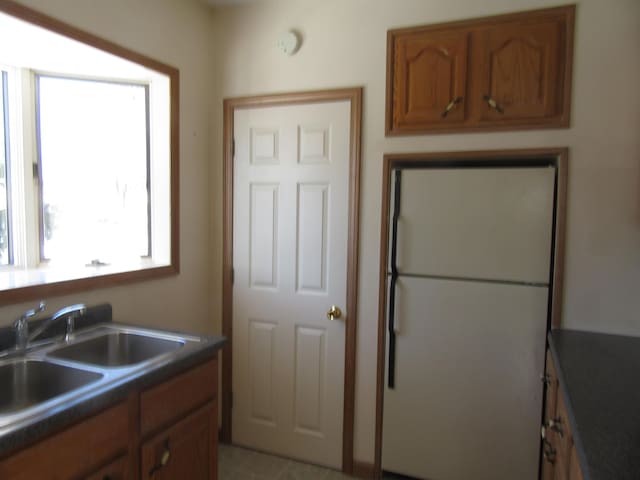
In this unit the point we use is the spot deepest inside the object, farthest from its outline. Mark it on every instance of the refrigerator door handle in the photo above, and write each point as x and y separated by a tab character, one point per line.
394	279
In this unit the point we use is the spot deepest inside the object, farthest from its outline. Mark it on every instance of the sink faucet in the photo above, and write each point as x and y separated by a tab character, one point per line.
22	326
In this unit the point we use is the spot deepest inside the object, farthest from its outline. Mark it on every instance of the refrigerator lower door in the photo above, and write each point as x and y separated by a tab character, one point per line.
467	396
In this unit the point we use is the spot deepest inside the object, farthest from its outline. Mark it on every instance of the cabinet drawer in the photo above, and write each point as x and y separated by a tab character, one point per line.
116	470
164	403
74	452
185	450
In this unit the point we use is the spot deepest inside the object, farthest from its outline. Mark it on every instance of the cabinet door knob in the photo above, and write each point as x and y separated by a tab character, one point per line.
492	103
164	459
549	452
555	424
450	106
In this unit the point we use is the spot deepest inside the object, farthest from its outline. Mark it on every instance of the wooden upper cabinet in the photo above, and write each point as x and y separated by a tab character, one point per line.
497	73
433	71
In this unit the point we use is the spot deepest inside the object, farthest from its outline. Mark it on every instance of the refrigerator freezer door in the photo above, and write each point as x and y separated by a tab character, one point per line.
467	397
485	223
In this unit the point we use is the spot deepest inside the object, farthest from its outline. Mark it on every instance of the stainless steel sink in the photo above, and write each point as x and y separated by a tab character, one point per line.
116	349
31	382
56	374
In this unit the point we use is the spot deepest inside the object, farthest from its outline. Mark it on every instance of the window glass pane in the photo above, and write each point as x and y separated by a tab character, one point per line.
93	139
5	245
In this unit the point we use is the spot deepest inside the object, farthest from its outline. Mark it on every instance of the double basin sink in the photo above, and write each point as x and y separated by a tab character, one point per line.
96	359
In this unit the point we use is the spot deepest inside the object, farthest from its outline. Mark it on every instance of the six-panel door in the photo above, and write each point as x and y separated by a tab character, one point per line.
291	171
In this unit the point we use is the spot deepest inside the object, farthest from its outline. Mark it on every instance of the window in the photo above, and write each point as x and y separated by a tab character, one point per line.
5	214
88	165
94	170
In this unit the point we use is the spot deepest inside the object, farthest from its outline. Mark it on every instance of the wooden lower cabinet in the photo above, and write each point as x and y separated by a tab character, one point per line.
75	452
168	431
185	450
559	459
115	470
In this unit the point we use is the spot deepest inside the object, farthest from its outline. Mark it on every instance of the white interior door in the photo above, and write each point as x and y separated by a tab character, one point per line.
291	177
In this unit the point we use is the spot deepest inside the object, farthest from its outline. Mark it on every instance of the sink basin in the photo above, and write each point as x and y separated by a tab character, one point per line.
116	349
26	383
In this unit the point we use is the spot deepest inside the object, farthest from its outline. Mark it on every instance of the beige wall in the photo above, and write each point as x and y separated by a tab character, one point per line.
344	45
177	32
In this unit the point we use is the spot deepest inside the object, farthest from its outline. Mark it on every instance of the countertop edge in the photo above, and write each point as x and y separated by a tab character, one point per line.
67	415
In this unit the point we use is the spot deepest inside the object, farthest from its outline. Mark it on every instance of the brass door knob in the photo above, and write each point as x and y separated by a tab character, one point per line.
334	313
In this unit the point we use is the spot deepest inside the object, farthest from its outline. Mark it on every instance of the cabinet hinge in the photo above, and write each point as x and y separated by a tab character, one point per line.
233	148
35	169
233	276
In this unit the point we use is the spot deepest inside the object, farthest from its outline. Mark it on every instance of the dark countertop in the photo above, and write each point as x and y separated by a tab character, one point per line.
96	401
600	377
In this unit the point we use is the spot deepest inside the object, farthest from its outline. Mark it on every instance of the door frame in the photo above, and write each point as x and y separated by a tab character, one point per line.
354	96
559	157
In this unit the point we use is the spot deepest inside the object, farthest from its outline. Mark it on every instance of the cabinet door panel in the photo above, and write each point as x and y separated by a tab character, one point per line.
550	444
185	450
520	76
74	451
429	74
116	470
162	404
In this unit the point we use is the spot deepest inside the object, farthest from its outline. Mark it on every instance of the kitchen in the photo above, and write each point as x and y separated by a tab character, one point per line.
230	52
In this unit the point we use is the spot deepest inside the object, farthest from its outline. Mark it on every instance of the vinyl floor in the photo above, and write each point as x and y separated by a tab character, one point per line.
237	463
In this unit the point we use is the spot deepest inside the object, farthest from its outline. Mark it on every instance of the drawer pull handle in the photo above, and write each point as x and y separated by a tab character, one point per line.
492	103
450	106
164	459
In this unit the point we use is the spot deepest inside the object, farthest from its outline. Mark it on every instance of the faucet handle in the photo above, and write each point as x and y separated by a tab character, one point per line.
31	313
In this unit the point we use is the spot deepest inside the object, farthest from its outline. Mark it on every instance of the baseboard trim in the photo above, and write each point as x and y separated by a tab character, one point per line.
363	469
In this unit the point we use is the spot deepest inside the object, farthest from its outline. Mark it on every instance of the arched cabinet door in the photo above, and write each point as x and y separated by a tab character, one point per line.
520	74
431	76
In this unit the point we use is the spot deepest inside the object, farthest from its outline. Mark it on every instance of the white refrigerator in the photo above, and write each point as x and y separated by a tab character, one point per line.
468	286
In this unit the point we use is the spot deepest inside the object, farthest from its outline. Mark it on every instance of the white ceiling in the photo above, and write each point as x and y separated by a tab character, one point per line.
221	3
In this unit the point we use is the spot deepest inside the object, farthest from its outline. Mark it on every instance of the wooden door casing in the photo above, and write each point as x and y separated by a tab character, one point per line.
231	106
560	160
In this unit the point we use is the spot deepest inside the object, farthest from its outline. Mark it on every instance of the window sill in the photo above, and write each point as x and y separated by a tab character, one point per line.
18	284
